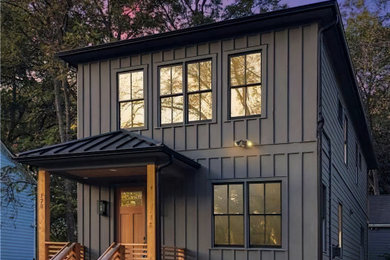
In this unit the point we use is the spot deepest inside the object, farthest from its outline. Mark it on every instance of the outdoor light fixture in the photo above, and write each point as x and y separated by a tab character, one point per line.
103	208
244	143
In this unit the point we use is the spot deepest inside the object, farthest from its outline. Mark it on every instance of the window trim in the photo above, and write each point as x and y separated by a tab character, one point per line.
246	183
171	95
184	62
263	49
345	140
115	76
188	93
340	229
228	214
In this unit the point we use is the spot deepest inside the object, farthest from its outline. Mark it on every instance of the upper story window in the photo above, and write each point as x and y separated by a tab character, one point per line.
131	99
193	95
345	128
340	112
262	218
171	94
245	84
199	91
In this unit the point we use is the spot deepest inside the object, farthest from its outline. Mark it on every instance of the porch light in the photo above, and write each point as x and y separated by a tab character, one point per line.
244	143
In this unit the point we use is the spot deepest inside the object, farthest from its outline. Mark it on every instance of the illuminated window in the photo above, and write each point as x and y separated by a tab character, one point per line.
131	99
229	215
194	94
340	226
199	91
245	84
131	198
263	214
171	94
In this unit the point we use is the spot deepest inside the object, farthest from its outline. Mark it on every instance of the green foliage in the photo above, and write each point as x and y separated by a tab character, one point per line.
38	91
368	40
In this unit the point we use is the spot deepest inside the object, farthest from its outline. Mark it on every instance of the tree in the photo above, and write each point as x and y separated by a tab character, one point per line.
38	91
368	40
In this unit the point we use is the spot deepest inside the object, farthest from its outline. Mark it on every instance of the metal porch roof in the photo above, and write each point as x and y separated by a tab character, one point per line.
114	145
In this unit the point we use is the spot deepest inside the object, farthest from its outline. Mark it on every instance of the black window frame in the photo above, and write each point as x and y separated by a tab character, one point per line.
119	102
345	141
245	86
340	224
228	214
172	95
246	213
340	112
185	93
199	91
264	214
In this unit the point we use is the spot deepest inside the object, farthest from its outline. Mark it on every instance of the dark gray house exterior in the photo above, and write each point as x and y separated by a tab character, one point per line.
243	139
379	227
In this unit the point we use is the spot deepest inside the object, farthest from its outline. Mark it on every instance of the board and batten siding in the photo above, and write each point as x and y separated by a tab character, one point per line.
284	140
344	189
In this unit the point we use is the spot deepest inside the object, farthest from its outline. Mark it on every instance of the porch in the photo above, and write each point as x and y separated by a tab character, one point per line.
126	162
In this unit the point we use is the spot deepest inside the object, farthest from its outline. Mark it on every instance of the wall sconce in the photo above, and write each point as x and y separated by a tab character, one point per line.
103	208
243	143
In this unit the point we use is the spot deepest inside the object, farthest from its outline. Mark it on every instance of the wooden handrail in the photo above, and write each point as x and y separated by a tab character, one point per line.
115	251
64	250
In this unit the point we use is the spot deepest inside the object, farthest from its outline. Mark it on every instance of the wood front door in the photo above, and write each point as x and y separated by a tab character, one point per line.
131	215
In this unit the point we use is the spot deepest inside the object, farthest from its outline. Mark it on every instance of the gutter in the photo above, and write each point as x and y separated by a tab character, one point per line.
320	129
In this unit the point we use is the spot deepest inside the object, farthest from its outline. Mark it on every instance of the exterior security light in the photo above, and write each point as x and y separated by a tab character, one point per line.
244	143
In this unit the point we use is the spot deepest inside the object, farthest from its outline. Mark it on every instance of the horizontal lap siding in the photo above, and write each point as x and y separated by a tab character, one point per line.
344	189
284	139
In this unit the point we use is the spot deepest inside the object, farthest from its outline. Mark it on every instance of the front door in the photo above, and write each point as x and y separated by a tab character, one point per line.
131	215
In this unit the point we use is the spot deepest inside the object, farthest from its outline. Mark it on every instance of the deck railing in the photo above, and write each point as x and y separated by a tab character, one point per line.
173	253
131	251
135	251
64	251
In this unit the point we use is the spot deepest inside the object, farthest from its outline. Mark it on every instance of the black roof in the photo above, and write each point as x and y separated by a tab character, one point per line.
379	209
120	145
323	13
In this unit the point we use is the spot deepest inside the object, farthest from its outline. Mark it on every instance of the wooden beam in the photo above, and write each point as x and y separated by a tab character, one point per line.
151	211
43	214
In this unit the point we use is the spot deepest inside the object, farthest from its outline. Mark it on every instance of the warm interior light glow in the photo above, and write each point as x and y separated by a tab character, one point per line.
243	143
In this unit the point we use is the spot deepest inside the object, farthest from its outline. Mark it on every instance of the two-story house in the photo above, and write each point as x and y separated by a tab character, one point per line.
242	139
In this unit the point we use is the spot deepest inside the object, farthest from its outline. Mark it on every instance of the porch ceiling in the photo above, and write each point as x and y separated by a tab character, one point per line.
119	149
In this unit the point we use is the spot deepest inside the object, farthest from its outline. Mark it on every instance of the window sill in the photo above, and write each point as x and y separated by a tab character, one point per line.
192	123
242	118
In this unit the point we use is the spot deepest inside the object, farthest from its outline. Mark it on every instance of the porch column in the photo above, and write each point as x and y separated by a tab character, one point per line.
151	210
43	214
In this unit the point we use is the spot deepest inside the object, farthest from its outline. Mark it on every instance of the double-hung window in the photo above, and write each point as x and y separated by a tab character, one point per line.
131	99
229	214
245	84
263	214
171	94
185	92
199	91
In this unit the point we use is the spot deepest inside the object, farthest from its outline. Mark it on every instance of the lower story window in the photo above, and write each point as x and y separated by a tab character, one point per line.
263	214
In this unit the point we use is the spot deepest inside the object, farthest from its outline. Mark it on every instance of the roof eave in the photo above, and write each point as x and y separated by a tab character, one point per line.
44	161
208	32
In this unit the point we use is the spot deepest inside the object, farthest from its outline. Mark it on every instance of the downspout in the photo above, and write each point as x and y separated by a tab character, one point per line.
158	205
320	128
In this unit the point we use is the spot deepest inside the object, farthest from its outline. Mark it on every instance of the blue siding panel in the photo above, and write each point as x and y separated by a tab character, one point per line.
17	222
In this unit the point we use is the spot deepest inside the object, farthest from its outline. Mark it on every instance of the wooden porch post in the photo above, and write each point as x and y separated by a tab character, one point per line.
151	210
43	214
